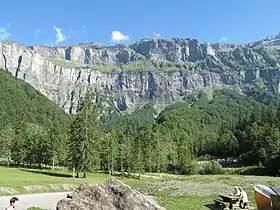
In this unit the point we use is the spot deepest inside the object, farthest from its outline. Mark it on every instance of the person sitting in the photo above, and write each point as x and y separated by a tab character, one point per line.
236	191
244	198
13	203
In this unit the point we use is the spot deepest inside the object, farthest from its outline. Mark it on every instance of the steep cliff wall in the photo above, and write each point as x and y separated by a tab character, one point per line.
165	70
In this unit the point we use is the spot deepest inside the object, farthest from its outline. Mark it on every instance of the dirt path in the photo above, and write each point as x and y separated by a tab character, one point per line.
42	200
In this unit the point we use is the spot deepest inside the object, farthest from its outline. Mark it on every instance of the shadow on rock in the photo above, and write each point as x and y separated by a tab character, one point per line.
212	207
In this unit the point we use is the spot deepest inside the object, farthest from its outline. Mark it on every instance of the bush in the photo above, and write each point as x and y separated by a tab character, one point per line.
193	168
211	167
249	170
188	168
205	158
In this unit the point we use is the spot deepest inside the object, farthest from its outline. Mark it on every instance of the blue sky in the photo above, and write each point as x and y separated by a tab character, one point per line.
64	22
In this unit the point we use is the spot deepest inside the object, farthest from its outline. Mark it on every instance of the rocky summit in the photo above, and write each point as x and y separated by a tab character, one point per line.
112	195
164	70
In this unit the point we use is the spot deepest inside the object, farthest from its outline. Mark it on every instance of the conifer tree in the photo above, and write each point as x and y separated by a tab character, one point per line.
85	135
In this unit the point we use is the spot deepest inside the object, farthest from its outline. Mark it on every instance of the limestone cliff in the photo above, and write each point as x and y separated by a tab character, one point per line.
160	69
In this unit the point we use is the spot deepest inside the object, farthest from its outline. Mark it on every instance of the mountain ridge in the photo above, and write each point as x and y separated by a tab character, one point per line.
156	69
267	38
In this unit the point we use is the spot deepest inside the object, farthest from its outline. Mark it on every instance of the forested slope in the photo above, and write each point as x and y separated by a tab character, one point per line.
19	101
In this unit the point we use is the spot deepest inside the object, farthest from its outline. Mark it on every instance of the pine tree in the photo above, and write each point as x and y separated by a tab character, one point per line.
109	151
184	155
128	138
59	138
161	150
85	135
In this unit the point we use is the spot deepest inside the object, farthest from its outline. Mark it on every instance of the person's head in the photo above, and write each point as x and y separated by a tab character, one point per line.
14	201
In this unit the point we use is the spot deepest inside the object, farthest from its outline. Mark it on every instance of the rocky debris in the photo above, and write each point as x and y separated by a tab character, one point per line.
7	190
111	195
181	188
50	187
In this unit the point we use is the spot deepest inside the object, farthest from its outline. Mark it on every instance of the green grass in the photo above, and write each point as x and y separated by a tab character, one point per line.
145	65
174	192
185	202
107	68
205	195
19	178
209	93
64	63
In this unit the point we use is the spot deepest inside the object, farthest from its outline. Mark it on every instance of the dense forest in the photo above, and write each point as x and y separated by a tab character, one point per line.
219	123
20	101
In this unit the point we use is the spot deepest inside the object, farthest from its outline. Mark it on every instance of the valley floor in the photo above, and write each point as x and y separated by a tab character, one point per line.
174	192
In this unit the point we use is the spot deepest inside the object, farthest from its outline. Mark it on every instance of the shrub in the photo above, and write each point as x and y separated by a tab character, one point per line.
249	170
205	158
193	168
211	167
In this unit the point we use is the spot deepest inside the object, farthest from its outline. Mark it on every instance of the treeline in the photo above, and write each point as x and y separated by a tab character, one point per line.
32	144
227	125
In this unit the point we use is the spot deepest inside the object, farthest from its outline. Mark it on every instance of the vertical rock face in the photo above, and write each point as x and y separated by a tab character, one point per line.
111	195
160	69
90	54
174	50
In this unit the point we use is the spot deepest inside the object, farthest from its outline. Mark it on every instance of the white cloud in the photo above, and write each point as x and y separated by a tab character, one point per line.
117	36
156	34
4	34
59	36
37	32
223	39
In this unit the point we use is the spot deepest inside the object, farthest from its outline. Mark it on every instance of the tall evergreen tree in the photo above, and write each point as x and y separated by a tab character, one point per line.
85	135
59	138
109	151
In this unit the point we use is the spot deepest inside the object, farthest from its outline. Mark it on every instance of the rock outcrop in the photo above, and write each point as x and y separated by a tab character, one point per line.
112	195
151	69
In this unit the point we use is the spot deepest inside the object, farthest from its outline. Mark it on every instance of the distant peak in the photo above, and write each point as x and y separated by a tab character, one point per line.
160	39
268	38
88	44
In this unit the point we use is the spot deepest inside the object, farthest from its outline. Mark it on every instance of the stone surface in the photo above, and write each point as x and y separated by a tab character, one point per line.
112	195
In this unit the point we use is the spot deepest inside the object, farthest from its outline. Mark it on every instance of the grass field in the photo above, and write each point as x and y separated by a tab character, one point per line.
174	192
21	180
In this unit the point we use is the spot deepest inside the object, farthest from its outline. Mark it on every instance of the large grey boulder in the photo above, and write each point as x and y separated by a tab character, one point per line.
112	195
